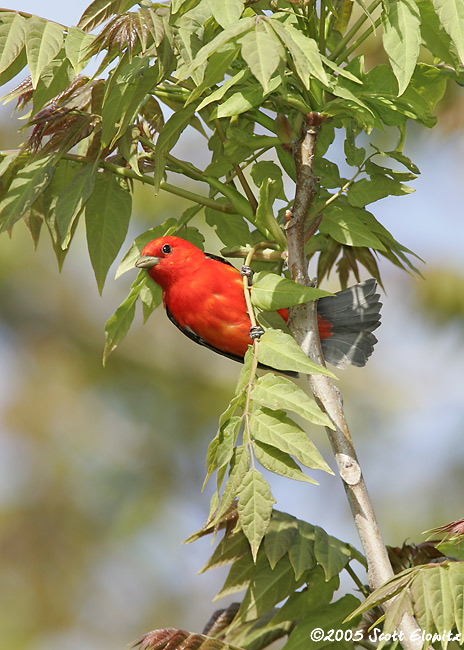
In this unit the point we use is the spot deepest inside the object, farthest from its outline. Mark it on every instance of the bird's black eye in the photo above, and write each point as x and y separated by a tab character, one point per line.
166	249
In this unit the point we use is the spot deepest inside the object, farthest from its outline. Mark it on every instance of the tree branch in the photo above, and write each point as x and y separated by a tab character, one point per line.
120	170
303	324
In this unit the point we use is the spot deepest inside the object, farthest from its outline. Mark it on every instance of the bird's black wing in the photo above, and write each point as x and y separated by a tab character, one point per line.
201	341
198	339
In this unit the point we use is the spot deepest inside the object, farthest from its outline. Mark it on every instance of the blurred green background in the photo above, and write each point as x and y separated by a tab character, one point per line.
101	468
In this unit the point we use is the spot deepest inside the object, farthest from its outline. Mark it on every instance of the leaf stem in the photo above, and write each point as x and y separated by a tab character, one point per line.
322	16
344	57
243	181
254	364
353	31
362	588
339	192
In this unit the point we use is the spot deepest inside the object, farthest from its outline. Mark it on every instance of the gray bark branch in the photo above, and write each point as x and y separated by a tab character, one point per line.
303	324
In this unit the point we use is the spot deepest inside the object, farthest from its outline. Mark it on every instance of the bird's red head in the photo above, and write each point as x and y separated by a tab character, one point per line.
169	258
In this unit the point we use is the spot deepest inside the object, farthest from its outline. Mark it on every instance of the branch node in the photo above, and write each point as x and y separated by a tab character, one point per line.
349	469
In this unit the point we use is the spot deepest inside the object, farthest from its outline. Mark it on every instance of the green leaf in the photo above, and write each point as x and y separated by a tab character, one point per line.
404	160
182	6
129	147
34	220
326	618
188	43
12	38
354	100
263	54
329	173
264	213
276	429
279	462
435	37
266	169
107	215
301	553
397	609
267	587
279	350
434	593
230	32
332	554
304	52
226	13
457	590
55	77
261	633
271	292
215	72
345	225
317	594
239	467
378	187
76	47
43	42
128	261
279	392
7	75
230	549
402	38
27	185
342	72
243	378
151	296
399	582
355	156
280	535
433	600
451	15
221	448
71	201
246	98
118	325
126	89
255	503
239	576
232	230
65	171
218	94
167	138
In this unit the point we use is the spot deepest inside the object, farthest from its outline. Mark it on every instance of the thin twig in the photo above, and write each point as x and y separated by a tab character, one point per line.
254	364
345	55
243	181
167	187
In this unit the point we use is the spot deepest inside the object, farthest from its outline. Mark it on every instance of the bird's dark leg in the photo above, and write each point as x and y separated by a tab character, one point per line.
248	272
256	332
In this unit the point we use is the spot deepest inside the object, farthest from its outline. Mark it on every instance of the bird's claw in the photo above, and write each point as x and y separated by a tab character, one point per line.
248	272
256	332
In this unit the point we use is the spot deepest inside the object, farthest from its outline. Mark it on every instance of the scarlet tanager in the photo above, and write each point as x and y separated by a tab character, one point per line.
203	296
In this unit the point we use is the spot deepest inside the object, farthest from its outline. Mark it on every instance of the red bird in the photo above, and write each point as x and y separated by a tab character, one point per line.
203	296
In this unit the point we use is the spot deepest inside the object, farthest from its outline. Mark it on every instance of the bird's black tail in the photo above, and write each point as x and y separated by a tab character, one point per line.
354	314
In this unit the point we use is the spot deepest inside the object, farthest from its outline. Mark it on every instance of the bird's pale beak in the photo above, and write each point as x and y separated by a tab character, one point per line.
146	261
